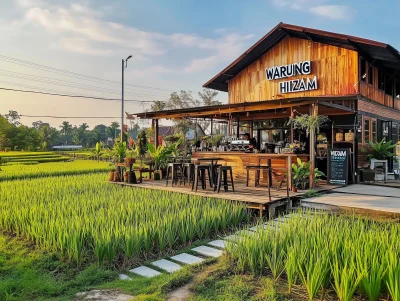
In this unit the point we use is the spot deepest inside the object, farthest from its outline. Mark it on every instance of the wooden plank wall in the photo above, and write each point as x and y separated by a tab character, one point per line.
239	162
336	69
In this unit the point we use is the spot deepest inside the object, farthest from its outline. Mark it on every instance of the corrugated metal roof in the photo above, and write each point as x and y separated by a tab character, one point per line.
383	54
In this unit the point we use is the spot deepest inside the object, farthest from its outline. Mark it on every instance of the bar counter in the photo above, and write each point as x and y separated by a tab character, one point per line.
240	160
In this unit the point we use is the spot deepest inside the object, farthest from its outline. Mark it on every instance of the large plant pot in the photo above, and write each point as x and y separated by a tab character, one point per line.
111	178
130	160
132	177
163	173
157	175
117	176
126	176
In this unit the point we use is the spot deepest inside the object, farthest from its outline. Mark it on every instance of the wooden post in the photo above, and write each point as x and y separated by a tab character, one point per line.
313	112
237	126
211	131
230	127
251	128
156	132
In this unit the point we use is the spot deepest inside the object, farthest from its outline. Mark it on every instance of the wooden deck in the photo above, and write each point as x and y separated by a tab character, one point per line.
254	197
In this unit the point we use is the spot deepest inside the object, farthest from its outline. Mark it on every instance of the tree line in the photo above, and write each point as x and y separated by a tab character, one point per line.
41	135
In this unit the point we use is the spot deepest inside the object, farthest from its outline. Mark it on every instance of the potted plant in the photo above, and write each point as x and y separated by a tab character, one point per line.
126	175
215	141
131	156
159	156
301	173
120	151
307	122
380	150
112	171
141	145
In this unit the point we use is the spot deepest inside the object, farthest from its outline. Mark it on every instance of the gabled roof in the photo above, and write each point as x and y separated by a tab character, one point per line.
381	54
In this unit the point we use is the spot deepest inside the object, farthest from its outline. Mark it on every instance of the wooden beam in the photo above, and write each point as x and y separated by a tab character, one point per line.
313	112
336	106
237	126
156	132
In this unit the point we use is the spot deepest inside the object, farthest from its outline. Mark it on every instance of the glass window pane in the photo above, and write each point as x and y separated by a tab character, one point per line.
366	130
374	130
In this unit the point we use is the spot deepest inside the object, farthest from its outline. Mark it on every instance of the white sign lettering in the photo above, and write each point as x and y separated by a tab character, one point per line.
295	85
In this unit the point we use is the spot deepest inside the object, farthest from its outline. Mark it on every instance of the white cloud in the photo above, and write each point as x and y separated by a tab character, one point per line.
201	64
318	7
337	12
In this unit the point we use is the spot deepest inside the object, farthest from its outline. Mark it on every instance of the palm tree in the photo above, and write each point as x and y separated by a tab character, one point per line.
114	125
66	129
48	135
84	126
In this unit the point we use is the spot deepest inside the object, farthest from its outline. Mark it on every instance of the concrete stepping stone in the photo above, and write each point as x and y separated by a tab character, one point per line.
167	265
187	258
245	233
233	238
219	243
124	277
145	272
280	219
207	251
259	227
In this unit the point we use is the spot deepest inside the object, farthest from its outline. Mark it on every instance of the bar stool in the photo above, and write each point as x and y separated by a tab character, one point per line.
188	173
200	172
257	169
223	176
176	170
281	178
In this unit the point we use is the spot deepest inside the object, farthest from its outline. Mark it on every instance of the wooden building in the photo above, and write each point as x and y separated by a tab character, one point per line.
353	81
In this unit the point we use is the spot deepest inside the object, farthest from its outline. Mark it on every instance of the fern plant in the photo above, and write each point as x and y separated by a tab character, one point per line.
380	150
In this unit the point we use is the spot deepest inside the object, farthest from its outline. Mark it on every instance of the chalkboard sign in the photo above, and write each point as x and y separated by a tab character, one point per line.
338	166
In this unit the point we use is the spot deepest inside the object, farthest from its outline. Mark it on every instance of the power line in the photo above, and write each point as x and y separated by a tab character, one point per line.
67	117
70	84
71	74
73	96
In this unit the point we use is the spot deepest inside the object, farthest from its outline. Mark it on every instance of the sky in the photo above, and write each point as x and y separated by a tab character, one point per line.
175	45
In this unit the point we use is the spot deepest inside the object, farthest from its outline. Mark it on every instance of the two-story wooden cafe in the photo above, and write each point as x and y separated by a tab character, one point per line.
353	81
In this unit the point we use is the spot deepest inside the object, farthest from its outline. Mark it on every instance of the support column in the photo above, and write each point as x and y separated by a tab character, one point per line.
211	131
237	126
313	112
230	127
251	128
156	132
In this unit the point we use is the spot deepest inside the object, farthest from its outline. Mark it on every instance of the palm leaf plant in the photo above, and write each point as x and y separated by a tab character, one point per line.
301	173
382	150
159	155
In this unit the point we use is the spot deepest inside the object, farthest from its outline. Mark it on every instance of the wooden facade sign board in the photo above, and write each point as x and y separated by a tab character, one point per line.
338	166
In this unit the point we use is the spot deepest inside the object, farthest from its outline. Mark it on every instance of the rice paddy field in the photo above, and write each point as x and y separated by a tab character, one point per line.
332	257
53	169
31	157
82	216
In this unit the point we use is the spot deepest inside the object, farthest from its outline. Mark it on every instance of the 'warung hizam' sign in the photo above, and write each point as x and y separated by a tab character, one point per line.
294	85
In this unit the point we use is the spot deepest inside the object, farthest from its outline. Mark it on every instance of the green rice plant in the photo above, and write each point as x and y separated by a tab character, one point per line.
313	270
15	172
291	266
393	274
82	216
345	275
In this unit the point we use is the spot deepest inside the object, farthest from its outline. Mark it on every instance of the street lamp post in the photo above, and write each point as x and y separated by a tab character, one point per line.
124	65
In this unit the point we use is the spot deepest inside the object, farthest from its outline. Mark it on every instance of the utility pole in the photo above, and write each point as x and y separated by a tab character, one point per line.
124	65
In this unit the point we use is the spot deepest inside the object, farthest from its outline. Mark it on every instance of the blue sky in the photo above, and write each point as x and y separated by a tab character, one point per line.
175	44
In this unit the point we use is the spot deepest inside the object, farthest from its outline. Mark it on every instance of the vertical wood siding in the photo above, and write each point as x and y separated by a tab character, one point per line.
336	69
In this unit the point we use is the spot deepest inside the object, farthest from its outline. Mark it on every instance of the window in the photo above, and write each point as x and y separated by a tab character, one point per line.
370	74
363	70
373	138
366	130
381	80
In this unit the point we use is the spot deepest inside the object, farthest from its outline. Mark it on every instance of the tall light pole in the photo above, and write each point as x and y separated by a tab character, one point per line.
124	65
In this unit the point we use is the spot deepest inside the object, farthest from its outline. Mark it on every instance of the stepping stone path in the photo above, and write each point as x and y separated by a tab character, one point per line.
124	277
207	251
145	272
187	258
167	265
219	243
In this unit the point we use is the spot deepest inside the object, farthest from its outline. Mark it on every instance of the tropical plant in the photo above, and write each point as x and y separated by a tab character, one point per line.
380	150
301	173
141	145
98	150
120	151
215	140
160	155
308	123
